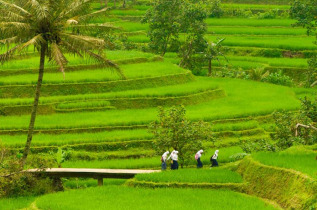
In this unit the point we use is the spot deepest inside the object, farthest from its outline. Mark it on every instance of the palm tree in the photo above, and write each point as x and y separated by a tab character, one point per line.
213	51
52	27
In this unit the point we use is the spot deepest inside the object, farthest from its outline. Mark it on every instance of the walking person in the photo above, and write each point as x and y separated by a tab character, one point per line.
197	157
163	160
174	158
213	159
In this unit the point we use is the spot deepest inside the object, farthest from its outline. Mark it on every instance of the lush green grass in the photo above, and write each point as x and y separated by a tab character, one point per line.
249	62
257	6
214	175
200	85
247	30
32	62
237	126
63	139
15	203
229	30
131	71
244	98
297	158
153	162
262	41
282	42
116	197
77	183
249	22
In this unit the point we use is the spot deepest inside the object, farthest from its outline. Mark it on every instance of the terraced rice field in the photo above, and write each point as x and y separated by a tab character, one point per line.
102	119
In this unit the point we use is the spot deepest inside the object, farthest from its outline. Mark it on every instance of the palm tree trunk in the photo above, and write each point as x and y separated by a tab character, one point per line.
209	68
35	104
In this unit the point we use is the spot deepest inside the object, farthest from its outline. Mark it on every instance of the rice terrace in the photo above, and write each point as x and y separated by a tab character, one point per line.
158	104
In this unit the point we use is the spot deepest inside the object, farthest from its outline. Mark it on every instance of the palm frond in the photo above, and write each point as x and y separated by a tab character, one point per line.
15	7
37	41
105	27
71	49
15	25
105	62
40	9
8	15
58	57
74	9
93	14
83	42
8	55
9	41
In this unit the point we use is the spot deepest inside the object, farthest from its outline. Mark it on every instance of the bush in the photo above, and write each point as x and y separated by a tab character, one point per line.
278	78
216	9
260	145
14	182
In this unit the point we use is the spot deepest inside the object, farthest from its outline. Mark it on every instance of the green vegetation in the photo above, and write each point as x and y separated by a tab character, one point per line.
125	197
213	175
16	203
297	158
93	118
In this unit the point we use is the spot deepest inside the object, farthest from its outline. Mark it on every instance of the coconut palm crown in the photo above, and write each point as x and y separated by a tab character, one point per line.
53	27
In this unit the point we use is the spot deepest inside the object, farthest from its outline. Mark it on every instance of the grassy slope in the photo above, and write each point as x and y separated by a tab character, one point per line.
214	175
297	158
131	71
244	98
15	203
114	197
201	84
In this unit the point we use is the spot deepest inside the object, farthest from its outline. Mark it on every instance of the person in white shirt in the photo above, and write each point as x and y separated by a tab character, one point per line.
197	157
174	158
214	158
163	160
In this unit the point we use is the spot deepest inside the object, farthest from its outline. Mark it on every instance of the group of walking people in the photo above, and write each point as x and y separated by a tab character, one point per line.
174	159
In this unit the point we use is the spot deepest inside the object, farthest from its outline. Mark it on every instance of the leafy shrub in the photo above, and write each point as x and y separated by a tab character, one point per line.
14	182
260	145
237	156
309	108
216	9
278	78
286	129
258	74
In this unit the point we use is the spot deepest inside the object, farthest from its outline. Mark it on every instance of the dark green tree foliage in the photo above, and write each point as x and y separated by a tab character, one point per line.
175	131
216	9
164	24
286	123
309	108
305	12
194	28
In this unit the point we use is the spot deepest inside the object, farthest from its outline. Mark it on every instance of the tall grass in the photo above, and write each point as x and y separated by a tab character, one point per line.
249	22
282	42
214	175
15	203
31	62
118	197
244	98
246	30
63	139
200	85
297	158
153	162
131	71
